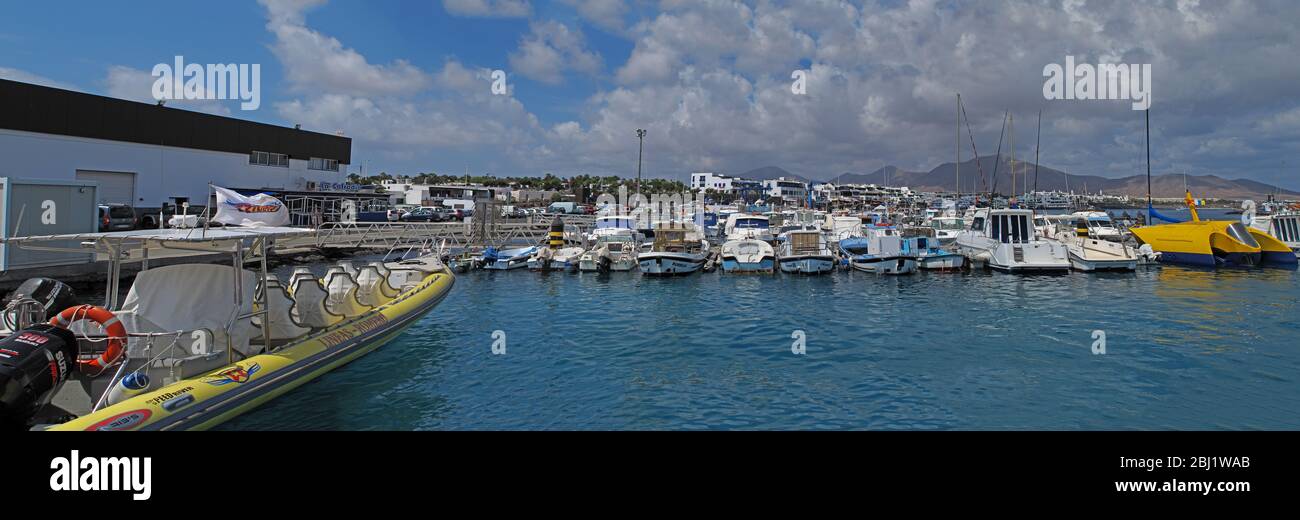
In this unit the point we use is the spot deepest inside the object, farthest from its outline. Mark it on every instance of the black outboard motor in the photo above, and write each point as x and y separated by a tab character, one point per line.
34	363
52	295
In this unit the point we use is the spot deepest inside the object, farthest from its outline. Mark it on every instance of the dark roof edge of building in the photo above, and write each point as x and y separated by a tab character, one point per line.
49	110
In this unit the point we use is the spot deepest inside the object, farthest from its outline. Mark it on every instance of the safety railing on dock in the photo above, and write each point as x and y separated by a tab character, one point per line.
451	235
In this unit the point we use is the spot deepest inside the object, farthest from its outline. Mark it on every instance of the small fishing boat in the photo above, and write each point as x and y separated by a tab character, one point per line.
931	256
612	253
550	259
194	345
506	259
805	251
880	250
678	249
1004	240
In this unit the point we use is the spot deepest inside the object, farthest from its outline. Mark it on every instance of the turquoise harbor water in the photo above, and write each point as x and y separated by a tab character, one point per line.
1185	349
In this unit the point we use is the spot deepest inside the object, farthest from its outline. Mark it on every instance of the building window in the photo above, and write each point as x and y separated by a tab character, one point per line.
268	159
317	163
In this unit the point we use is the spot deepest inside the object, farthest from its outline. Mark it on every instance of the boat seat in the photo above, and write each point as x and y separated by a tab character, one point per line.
381	267
348	268
309	308
299	272
279	312
399	278
373	288
342	299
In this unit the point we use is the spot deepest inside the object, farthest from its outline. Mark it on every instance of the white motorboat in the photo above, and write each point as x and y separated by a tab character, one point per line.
678	249
615	252
1100	225
1283	226
946	228
741	226
805	251
748	256
1088	253
613	225
506	259
1005	240
562	259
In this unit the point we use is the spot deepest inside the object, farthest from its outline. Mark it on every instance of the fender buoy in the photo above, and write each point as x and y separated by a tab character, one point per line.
105	318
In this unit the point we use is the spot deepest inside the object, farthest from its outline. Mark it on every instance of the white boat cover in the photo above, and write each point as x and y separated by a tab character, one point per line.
193	296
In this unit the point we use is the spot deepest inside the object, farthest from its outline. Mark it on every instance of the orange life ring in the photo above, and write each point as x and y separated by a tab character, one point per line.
107	320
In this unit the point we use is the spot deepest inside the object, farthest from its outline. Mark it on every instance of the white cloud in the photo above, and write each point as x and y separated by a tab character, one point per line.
606	14
315	62
488	8
137	85
35	79
550	50
710	80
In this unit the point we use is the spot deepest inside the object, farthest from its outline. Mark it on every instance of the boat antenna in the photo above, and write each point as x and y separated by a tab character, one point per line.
998	162
1036	145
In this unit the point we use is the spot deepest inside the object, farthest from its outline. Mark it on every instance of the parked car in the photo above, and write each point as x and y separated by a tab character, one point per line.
421	215
116	217
462	214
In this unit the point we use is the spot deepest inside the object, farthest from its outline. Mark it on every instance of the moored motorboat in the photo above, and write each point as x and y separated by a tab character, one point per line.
162	359
611	253
506	259
930	256
747	256
1005	240
805	251
678	249
549	259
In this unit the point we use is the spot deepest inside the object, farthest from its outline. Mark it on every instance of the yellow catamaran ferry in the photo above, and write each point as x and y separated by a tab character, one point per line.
193	345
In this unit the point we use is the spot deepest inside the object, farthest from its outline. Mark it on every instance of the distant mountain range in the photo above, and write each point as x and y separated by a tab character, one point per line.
944	178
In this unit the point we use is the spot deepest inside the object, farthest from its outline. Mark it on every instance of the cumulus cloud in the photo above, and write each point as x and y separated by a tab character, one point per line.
488	8
315	62
35	79
137	85
710	80
550	50
606	14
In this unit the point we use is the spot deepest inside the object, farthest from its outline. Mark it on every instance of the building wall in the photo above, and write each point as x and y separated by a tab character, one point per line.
160	172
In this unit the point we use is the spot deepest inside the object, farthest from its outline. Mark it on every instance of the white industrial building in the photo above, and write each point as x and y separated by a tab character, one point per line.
789	190
152	157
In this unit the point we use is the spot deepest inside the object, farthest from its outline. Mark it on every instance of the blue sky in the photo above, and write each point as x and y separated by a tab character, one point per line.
710	79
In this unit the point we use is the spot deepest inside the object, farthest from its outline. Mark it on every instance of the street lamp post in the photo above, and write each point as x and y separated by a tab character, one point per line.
640	147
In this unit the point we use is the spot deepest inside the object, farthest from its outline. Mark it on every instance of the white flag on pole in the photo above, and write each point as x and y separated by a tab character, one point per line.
255	210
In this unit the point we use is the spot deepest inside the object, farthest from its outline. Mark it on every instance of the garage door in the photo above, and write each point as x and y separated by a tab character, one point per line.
114	187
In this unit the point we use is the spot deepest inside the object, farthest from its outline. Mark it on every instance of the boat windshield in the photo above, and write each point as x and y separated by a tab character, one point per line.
1239	232
946	224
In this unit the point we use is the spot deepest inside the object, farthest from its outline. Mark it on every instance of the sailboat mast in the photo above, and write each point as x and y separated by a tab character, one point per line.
1148	125
958	201
1011	129
1037	144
